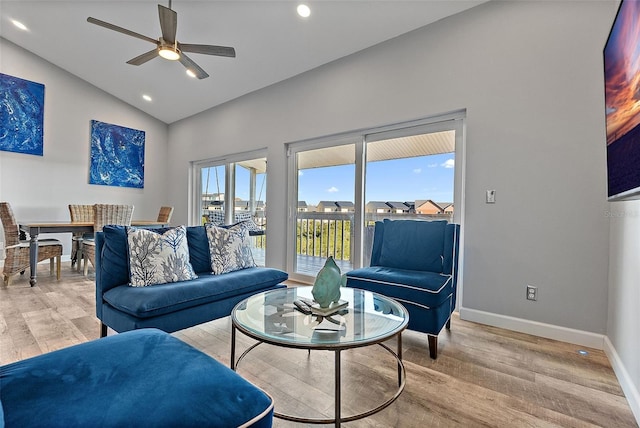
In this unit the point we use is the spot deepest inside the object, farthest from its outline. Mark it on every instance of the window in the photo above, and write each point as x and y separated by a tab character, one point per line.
233	189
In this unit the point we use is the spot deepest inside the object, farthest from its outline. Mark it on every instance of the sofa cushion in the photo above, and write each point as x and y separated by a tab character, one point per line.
158	258
146	302
138	378
425	288
199	254
114	265
230	248
413	245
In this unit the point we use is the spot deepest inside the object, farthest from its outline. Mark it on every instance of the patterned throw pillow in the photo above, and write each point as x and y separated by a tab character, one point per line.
246	216
230	248
156	258
216	217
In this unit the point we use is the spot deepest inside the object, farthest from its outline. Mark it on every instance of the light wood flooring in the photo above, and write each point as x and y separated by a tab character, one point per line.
483	377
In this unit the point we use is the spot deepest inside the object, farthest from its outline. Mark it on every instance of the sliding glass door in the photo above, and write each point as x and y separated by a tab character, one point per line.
340	187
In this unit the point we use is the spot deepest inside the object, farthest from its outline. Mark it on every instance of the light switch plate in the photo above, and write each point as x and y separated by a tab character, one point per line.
491	196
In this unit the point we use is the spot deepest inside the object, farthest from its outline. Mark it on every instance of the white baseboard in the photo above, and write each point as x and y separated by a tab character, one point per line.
550	331
626	383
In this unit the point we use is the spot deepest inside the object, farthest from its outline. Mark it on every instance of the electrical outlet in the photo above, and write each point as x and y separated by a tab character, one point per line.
532	292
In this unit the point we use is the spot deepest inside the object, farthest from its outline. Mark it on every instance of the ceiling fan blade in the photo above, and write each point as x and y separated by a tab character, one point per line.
190	65
168	23
120	30
208	49
141	59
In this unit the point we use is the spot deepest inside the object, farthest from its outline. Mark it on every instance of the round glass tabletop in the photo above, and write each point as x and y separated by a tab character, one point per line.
273	318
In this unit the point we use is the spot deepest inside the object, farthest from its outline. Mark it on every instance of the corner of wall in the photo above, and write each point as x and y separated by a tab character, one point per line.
626	383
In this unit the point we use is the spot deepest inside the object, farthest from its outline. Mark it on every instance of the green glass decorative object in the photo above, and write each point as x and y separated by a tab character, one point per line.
326	288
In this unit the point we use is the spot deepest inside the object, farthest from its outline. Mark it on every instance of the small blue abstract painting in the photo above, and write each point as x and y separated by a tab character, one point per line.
117	155
21	115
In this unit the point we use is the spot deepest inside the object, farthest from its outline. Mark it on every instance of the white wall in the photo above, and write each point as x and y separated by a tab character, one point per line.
40	188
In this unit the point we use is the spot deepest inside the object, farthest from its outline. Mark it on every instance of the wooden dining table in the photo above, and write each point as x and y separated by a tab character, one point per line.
36	228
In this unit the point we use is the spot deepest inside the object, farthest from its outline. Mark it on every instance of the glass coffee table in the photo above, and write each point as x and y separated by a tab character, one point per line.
369	319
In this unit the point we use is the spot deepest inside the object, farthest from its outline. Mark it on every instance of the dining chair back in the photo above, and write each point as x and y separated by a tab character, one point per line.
165	214
104	214
81	213
17	251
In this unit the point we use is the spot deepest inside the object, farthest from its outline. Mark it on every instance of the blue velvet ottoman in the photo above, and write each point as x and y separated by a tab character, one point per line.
144	378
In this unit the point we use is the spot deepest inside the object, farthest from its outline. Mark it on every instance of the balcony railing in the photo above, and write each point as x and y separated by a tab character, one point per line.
320	235
323	234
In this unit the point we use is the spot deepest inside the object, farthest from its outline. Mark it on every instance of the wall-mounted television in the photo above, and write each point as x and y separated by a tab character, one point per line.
622	102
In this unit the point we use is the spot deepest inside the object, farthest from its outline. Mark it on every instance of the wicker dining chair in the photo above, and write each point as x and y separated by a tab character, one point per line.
165	214
83	213
104	214
17	251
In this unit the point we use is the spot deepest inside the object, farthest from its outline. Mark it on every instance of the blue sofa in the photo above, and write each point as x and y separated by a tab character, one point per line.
174	306
415	262
143	378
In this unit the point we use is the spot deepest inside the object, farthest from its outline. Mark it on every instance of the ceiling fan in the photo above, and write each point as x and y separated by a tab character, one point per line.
167	46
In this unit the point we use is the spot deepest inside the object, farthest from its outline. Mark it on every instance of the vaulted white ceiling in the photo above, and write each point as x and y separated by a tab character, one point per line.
272	42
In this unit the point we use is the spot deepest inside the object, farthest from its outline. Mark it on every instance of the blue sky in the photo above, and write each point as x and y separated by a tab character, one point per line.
425	177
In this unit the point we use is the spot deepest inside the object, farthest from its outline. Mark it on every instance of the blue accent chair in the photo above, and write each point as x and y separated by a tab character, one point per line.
141	378
416	263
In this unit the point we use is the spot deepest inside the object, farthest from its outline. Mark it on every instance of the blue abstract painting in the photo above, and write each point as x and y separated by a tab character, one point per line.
117	155
21	115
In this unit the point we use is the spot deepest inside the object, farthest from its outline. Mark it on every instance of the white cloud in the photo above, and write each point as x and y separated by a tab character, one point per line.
300	172
432	165
332	189
449	163
417	170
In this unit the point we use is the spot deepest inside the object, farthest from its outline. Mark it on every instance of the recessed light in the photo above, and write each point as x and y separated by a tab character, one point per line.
147	98
303	10
190	73
19	24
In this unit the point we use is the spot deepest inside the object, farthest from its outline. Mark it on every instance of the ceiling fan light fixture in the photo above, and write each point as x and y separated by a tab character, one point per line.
169	53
